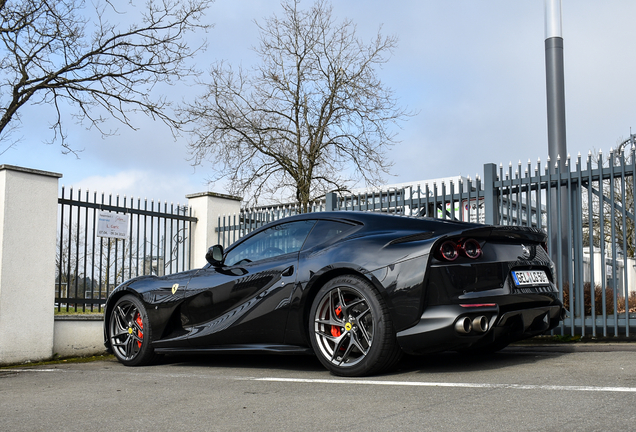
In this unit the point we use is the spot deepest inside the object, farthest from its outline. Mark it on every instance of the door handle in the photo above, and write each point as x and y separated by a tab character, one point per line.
288	271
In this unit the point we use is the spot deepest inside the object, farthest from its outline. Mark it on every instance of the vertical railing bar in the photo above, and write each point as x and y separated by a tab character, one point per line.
77	257
137	240
549	224
501	195
145	242
61	257
116	248
172	237
528	195
477	191
452	200
110	244
578	240
510	195
165	235
130	235
94	240
70	245
189	239
86	255
159	237
443	200
602	240
590	226
435	200
613	239
624	246
539	210
571	282
633	178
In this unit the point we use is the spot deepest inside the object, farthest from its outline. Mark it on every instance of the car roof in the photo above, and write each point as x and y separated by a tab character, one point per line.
376	220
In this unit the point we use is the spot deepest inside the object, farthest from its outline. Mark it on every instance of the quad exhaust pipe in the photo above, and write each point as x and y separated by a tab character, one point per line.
466	325
480	324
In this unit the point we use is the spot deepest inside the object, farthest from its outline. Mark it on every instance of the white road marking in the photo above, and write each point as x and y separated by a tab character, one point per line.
458	385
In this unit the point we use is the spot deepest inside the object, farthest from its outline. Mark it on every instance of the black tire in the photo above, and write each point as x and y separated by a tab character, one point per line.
350	328
129	332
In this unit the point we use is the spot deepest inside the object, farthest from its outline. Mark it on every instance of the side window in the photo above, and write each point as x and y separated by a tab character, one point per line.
325	231
277	240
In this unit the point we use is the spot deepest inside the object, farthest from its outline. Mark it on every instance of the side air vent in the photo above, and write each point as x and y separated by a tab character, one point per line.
413	238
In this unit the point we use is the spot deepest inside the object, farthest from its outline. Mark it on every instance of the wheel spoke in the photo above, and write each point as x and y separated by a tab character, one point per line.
362	314
329	321
120	317
354	303
342	301
365	333
347	353
120	343
356	342
336	348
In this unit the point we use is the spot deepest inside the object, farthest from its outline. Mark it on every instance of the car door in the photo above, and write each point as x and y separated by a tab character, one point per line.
246	300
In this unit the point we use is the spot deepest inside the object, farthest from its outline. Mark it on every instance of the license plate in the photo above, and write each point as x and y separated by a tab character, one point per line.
530	277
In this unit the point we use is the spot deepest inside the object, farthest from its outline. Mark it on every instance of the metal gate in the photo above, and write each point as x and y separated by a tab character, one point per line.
93	257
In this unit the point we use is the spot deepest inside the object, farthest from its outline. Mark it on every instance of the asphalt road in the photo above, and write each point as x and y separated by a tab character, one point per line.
529	388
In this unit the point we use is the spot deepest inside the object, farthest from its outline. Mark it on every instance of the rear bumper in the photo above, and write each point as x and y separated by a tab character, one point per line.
438	328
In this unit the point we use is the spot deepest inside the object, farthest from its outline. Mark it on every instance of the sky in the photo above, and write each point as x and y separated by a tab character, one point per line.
473	71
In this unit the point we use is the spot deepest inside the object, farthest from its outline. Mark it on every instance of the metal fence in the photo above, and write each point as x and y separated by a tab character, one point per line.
94	255
585	207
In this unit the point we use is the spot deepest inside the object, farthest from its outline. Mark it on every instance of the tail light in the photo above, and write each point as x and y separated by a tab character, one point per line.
450	250
471	248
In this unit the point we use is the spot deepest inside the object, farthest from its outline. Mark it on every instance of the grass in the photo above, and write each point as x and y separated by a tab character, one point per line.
78	310
62	361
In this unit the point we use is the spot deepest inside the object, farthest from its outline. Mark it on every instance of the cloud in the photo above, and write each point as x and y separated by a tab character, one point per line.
135	184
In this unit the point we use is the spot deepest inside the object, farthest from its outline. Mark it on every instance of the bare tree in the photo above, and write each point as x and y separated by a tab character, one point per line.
312	117
58	52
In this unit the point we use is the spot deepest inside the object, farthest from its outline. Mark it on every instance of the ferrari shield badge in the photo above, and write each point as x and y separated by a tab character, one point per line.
175	287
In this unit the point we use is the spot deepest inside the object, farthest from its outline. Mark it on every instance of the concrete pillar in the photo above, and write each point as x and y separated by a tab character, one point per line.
207	207
28	231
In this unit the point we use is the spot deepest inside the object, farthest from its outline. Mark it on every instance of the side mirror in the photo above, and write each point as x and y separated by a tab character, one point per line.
215	256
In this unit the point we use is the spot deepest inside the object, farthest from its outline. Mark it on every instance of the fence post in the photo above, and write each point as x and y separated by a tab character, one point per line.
28	230
491	210
207	206
331	201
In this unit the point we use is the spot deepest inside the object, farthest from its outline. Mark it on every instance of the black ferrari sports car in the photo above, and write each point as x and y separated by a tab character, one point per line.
356	289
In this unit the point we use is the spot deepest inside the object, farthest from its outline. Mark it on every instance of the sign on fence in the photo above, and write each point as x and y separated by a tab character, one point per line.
113	225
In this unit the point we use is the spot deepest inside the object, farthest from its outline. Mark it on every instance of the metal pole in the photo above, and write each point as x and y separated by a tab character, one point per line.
557	148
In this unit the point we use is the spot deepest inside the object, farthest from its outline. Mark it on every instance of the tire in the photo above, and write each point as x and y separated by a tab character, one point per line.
350	328
129	332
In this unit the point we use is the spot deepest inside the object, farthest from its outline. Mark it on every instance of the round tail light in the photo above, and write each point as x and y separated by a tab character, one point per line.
471	248
448	250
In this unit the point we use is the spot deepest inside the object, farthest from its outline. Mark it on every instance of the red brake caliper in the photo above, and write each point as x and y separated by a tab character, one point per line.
140	323
335	330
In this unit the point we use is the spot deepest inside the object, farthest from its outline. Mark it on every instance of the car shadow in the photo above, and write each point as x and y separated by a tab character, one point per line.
449	362
439	363
292	362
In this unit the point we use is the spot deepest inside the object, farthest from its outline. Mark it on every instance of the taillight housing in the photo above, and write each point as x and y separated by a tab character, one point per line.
471	248
450	249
